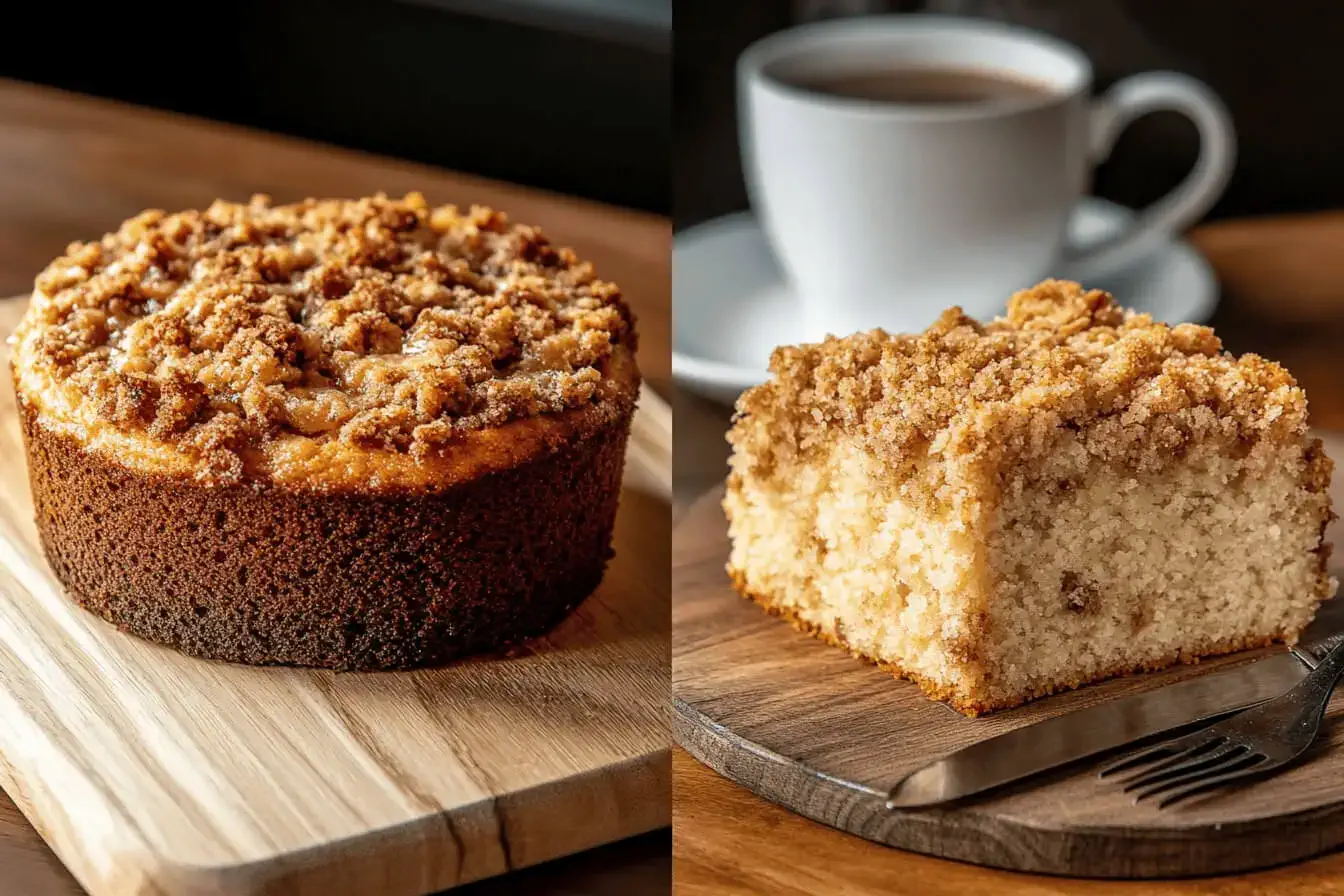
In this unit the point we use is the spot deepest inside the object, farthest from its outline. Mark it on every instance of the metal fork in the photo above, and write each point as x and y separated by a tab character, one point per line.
1255	741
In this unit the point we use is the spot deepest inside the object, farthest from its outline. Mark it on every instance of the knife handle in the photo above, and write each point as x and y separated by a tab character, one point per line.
1314	652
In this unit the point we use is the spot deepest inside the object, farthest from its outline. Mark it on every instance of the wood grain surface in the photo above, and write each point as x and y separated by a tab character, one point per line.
72	167
727	841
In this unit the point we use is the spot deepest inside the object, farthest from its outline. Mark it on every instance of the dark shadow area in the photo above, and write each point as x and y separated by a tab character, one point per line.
605	871
565	95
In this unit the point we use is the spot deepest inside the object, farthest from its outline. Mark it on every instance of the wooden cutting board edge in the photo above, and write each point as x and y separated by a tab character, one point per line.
981	839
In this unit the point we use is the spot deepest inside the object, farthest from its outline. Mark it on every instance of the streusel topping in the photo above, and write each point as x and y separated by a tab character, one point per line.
1063	357
382	323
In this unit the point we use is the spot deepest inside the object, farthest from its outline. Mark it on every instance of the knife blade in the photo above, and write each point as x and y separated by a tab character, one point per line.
1051	743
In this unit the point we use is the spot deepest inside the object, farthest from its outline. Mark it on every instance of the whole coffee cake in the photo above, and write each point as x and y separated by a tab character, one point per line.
1000	511
353	434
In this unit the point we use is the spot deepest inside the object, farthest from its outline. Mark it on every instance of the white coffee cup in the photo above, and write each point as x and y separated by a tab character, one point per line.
882	214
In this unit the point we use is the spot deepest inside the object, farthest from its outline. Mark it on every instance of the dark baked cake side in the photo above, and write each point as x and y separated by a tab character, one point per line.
263	575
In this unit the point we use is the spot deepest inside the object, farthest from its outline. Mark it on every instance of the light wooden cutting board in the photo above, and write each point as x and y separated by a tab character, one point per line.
149	772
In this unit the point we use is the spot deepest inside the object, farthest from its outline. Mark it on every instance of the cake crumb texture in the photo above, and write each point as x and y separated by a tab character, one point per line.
340	581
1006	510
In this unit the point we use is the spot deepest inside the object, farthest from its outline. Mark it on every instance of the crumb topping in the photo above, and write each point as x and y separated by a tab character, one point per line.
1063	358
380	322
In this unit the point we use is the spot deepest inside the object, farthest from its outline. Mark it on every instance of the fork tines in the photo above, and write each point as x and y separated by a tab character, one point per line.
1186	767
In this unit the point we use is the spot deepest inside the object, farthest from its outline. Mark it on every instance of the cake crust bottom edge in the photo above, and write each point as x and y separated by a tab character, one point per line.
972	708
260	575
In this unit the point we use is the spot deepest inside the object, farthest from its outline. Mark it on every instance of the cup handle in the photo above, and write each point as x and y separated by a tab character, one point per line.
1132	98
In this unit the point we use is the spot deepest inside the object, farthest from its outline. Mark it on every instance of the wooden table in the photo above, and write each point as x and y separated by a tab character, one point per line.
73	167
1283	296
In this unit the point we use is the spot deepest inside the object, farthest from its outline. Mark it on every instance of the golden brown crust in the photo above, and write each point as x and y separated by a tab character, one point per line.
381	324
259	574
971	707
1062	358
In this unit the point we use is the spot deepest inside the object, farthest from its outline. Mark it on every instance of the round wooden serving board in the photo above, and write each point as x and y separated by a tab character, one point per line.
807	726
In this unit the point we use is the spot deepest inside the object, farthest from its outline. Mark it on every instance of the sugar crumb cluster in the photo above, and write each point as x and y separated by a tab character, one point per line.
381	322
1062	356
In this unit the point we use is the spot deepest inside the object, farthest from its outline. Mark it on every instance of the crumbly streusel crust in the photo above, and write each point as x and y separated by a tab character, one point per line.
1005	510
382	324
1062	357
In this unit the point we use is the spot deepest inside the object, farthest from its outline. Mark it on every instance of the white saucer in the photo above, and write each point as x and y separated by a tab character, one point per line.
731	305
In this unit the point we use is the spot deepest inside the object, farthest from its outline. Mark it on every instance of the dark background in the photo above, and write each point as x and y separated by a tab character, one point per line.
577	95
568	95
1276	64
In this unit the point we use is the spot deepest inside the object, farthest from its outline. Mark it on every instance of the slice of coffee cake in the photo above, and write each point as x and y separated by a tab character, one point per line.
1006	510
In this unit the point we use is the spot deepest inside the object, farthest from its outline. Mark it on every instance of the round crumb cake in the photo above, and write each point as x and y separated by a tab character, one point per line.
351	434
